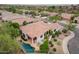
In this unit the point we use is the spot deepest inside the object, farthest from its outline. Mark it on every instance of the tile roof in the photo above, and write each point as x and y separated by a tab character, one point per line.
52	13
35	29
39	28
56	26
67	16
27	19
10	16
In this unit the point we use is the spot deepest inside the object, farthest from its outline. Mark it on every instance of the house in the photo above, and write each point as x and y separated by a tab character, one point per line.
27	19
66	16
9	16
52	13
56	26
34	32
19	20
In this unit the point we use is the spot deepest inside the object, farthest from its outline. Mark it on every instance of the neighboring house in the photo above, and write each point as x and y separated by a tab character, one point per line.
52	14
56	26
19	20
66	16
27	19
9	16
35	32
77	18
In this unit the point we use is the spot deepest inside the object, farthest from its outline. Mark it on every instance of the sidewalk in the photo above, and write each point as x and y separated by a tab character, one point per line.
65	42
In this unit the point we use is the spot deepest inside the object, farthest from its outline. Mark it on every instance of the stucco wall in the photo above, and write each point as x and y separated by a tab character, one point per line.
40	40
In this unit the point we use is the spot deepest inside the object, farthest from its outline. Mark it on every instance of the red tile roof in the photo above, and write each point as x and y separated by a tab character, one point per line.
56	26
35	29
21	20
52	13
39	28
67	16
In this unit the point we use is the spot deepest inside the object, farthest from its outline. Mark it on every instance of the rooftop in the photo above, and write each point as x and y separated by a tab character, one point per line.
39	28
67	16
53	13
35	29
10	16
27	19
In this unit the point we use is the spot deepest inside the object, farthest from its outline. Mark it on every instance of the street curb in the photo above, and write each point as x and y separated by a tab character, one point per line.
65	42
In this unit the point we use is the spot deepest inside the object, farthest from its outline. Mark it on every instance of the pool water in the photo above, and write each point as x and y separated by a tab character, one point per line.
27	48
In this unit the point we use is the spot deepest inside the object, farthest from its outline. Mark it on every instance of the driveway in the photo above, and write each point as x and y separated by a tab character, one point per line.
73	44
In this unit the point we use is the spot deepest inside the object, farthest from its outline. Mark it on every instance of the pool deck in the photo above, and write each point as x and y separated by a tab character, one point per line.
33	45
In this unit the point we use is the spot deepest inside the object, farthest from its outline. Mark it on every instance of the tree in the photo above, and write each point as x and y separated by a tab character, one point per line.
55	40
8	45
12	9
25	23
15	25
44	47
64	30
14	32
11	29
54	49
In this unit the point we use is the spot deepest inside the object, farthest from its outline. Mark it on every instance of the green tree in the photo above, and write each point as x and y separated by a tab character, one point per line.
25	23
44	47
10	28
12	9
8	45
64	30
15	25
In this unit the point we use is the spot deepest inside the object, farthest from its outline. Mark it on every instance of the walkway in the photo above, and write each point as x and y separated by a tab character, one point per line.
65	42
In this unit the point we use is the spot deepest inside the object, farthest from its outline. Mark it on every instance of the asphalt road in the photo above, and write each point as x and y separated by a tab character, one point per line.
73	44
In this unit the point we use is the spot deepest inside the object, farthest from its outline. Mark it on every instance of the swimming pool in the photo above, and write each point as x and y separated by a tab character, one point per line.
27	48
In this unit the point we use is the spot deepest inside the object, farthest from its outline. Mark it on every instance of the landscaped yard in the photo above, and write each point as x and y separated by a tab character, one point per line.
55	42
54	18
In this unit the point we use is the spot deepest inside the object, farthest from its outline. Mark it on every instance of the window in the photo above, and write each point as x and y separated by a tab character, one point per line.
23	35
41	36
35	38
29	37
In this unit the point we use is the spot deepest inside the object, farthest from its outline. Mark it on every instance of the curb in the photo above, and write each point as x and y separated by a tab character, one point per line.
65	42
